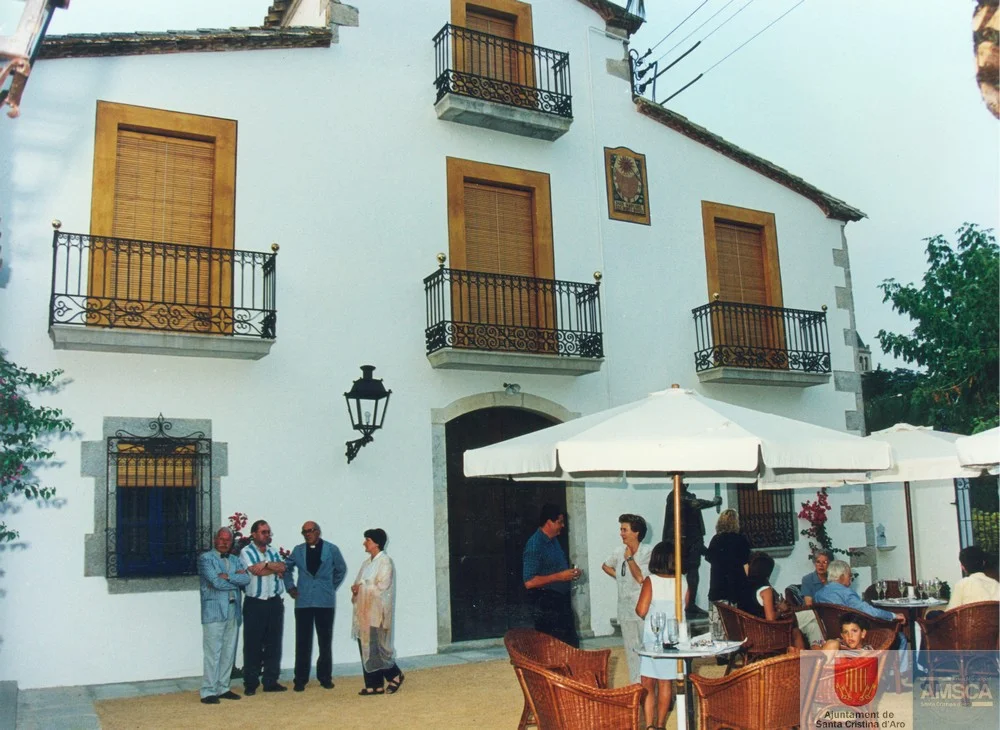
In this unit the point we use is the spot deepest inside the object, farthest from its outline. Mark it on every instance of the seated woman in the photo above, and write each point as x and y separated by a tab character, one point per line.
853	629
812	582
759	598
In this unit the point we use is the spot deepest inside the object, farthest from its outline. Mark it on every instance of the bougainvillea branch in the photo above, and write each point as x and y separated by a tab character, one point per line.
815	513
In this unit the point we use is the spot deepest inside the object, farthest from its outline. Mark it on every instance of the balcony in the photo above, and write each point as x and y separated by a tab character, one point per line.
751	343
497	83
481	321
123	295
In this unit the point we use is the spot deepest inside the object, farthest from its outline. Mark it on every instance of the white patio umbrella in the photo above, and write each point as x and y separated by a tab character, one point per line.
919	453
981	450
675	434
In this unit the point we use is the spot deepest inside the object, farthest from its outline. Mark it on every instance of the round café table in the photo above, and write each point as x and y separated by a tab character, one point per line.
688	651
912	606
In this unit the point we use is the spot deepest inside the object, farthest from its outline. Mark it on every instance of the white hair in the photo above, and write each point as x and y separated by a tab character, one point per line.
837	570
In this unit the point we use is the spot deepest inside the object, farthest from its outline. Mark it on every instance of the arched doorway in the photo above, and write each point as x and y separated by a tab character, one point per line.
489	520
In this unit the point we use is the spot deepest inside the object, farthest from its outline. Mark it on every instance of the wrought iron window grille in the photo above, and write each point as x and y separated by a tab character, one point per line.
499	312
159	502
767	517
100	281
733	334
487	67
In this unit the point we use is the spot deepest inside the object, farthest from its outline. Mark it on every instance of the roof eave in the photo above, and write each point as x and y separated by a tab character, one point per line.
831	206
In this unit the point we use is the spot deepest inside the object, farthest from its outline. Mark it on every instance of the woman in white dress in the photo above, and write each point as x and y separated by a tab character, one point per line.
657	595
374	595
629	565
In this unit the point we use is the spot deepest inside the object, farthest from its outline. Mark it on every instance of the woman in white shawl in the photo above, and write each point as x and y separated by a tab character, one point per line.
373	595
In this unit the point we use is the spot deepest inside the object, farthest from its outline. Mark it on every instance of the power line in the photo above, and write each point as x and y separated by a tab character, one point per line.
672	48
728	55
678	26
754	35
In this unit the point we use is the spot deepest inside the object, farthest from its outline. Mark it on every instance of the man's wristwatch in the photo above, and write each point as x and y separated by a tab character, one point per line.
630	559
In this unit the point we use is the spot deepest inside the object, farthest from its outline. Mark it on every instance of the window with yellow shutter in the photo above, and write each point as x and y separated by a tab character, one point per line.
163	205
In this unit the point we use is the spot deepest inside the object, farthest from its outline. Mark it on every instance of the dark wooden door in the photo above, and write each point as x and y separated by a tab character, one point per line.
489	520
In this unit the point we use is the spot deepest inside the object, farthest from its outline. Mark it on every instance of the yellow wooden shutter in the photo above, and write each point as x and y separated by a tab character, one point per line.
741	263
137	468
486	57
163	188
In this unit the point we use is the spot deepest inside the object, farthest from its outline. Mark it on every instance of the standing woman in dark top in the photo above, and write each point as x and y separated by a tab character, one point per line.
728	553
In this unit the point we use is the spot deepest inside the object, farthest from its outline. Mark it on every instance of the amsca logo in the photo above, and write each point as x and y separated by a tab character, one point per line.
977	692
855	679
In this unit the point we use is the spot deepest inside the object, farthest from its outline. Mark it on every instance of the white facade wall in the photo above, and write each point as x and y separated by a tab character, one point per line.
341	160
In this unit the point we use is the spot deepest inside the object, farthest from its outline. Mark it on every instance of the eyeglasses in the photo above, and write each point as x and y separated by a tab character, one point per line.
309	530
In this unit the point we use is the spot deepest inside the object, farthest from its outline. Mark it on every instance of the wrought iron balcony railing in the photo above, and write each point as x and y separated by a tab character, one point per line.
100	281
491	68
497	312
732	334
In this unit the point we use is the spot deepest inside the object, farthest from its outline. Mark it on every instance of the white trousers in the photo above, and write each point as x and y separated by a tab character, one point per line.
219	648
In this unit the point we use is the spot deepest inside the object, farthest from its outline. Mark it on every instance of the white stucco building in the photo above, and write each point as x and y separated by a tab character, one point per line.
363	148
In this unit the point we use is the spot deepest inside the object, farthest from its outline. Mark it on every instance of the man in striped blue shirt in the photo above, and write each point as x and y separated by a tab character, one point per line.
263	612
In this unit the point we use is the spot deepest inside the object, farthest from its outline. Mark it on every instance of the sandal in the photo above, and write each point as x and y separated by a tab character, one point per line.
369	691
394	684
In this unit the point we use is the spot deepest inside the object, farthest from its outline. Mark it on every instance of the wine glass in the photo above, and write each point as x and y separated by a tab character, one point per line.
656	623
901	582
936	588
880	587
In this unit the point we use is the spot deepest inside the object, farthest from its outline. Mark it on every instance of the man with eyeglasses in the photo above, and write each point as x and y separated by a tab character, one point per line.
263	612
319	570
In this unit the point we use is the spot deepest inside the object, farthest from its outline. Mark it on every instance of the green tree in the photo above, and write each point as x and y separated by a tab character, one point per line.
955	338
24	429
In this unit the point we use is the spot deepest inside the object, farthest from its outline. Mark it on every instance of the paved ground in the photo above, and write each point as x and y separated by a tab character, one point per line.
72	708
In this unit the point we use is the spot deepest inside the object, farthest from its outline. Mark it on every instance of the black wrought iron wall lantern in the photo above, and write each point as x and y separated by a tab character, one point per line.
367	401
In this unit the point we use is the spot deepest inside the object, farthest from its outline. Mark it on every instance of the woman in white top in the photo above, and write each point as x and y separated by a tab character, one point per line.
629	565
657	595
373	595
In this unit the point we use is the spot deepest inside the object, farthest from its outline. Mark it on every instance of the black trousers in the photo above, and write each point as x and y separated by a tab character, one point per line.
554	615
263	623
375	680
306	619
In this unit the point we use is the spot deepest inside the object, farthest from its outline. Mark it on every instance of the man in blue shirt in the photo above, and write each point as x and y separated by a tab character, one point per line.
319	570
547	576
838	591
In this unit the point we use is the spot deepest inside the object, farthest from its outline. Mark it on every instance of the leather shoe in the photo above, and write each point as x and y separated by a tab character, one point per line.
230	695
210	700
275	687
326	685
249	691
299	687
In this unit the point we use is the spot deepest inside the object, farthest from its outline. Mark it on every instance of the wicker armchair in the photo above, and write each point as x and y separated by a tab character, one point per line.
533	647
763	638
882	630
760	696
559	702
952	636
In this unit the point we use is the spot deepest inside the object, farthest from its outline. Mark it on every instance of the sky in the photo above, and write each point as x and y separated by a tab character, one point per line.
874	102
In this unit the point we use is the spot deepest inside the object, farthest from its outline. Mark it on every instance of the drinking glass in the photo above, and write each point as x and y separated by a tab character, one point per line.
901	582
673	631
936	588
880	587
656	622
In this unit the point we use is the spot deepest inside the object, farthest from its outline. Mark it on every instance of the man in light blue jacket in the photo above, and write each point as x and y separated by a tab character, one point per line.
319	569
222	576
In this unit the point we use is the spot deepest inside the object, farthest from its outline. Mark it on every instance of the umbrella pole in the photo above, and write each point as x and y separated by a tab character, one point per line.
909	533
678	592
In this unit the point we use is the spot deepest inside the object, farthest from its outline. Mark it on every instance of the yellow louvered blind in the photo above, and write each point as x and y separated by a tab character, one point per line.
498	230
740	250
163	188
487	57
163	192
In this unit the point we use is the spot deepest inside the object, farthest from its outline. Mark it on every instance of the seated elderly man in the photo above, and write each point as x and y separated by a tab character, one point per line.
837	590
976	585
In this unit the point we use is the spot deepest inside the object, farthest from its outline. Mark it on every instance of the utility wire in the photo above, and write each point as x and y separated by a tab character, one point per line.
754	36
653	48
699	76
674	47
